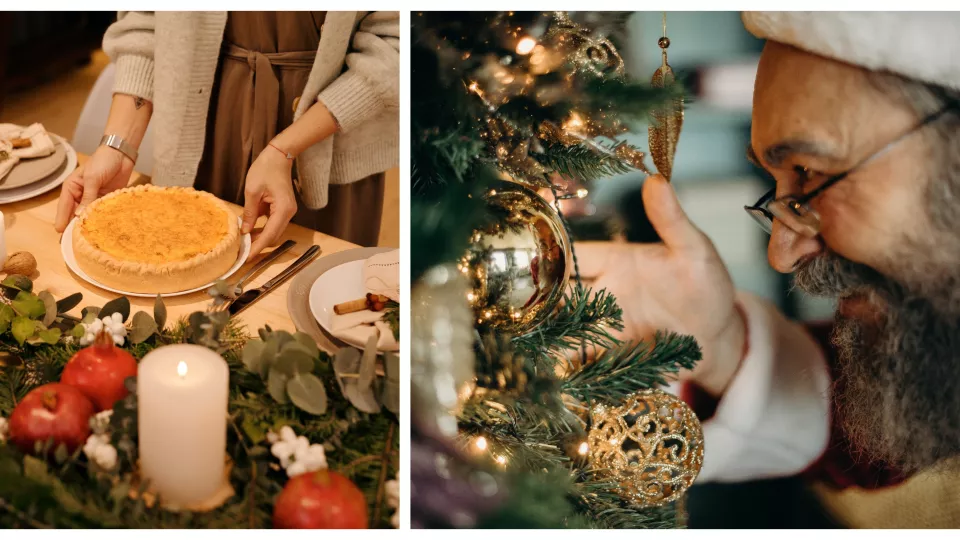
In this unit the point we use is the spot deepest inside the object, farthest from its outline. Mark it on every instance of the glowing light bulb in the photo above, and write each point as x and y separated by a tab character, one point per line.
574	123
526	45
481	443
581	193
501	460
182	369
583	449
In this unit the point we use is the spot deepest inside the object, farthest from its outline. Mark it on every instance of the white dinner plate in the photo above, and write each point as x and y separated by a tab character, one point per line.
66	248
30	191
342	283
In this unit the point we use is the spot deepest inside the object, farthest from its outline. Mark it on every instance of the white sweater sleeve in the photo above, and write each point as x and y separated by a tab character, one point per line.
774	418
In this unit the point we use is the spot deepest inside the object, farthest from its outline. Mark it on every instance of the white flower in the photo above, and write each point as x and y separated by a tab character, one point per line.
113	324
100	422
99	450
391	489
4	428
296	454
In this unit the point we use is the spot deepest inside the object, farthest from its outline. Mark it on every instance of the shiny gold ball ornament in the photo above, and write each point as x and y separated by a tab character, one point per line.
518	267
652	446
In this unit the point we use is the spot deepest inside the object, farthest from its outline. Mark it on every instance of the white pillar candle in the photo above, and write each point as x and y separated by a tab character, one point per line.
182	393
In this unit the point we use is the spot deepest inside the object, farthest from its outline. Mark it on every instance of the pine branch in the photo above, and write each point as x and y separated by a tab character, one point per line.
625	370
437	235
584	318
598	498
581	162
632	100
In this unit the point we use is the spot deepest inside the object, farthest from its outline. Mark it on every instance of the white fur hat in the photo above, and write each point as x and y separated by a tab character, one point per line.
919	45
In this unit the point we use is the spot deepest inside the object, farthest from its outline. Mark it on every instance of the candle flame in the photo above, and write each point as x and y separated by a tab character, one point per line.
182	369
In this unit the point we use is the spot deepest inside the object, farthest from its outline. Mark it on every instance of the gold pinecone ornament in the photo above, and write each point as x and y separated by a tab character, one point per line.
664	132
652	446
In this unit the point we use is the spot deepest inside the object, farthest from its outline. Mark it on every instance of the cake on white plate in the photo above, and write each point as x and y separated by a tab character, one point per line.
149	239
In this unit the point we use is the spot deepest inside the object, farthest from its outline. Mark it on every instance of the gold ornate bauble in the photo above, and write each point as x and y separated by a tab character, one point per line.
519	266
652	446
441	347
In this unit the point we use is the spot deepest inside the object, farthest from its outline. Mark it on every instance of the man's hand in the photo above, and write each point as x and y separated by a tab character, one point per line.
106	170
679	285
268	191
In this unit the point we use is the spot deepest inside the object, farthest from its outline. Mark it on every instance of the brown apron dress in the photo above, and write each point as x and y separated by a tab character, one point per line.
264	65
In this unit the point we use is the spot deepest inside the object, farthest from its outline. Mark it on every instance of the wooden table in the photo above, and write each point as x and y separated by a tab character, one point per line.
29	227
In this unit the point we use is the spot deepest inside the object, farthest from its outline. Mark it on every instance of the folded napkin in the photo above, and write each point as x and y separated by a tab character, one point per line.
358	326
381	275
40	142
7	159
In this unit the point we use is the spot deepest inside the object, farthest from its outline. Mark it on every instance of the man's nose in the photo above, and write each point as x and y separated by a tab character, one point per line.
787	248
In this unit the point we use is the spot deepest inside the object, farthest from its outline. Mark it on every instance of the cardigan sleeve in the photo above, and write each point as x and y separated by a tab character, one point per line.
129	43
371	82
774	418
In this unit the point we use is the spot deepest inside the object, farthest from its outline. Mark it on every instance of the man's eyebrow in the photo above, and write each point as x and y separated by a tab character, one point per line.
778	153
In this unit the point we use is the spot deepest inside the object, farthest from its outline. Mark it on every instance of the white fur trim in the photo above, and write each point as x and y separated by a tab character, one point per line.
774	418
920	45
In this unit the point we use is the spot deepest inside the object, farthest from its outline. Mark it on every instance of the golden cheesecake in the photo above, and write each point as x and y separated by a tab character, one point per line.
149	239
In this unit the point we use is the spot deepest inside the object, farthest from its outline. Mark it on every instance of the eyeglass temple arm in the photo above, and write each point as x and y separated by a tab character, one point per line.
834	179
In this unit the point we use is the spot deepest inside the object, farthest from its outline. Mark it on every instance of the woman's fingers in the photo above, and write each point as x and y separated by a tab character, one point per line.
280	215
70	195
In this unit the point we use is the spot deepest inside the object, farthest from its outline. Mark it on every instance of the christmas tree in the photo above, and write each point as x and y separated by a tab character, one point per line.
528	411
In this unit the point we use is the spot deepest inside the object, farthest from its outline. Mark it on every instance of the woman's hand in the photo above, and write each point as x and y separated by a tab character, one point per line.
106	170
268	191
679	285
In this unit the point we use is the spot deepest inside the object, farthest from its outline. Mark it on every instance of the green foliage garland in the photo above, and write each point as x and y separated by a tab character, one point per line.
68	491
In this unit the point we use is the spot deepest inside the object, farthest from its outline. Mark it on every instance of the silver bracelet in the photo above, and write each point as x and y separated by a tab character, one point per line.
117	143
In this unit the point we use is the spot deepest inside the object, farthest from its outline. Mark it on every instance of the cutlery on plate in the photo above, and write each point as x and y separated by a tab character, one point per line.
249	297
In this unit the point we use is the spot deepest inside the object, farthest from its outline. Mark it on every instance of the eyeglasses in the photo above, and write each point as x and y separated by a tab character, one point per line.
795	212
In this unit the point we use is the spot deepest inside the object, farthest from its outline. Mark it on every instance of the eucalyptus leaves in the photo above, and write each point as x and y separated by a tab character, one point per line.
27	316
38	318
287	361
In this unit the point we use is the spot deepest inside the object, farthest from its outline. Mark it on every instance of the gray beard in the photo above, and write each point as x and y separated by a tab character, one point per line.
899	370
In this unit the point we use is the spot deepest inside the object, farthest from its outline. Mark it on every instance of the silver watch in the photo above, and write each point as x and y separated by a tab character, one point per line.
117	143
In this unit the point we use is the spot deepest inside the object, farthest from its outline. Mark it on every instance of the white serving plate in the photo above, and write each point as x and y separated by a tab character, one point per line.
66	248
30	191
342	283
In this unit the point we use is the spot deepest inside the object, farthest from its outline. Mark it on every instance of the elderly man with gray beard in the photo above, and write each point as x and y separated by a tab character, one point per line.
857	117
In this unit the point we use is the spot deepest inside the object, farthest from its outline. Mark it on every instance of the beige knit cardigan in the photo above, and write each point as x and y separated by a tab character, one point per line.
170	59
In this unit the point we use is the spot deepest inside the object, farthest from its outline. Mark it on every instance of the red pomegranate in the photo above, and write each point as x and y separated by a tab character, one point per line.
99	371
320	500
52	411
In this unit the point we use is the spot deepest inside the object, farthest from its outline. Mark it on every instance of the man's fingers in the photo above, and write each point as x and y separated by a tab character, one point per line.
69	196
594	258
667	217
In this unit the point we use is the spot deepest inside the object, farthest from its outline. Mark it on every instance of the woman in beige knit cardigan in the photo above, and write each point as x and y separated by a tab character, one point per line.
294	115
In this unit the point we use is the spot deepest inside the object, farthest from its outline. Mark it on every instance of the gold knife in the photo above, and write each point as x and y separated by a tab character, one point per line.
249	297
